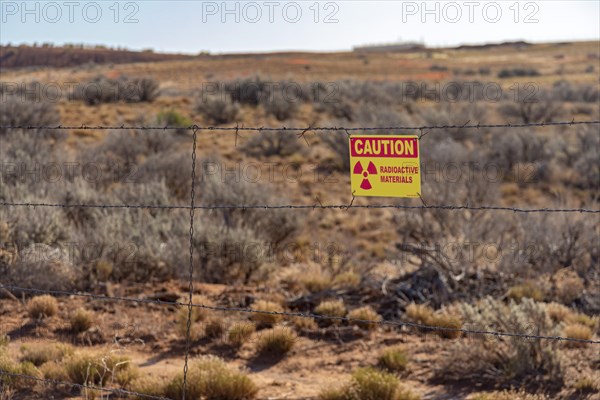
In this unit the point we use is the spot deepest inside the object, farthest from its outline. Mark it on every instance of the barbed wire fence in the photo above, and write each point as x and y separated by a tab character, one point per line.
424	130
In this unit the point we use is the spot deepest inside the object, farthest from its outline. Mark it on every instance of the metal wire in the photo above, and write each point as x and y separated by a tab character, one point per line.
191	268
422	327
309	207
117	392
300	129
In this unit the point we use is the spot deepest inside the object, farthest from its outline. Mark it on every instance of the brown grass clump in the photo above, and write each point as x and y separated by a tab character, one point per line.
419	313
54	370
210	378
577	331
509	395
393	359
304	324
240	333
81	320
40	307
365	313
558	312
214	327
348	279
526	290
370	384
41	353
316	282
580	318
568	286
276	342
266	320
94	369
331	308
198	314
446	321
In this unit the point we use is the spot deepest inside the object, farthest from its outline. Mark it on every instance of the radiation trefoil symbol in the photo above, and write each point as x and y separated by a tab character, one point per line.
371	170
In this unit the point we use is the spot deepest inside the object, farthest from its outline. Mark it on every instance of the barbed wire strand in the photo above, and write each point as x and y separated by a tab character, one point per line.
188	334
303	315
117	392
237	129
308	207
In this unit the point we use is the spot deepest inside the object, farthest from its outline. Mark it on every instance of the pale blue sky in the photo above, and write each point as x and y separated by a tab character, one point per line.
193	26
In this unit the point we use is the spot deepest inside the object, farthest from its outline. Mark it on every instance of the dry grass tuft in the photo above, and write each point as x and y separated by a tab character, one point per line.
41	353
96	369
348	279
568	286
526	290
365	313
577	331
266	320
304	324
40	307
276	342
370	384
240	333
331	308
81	320
419	313
393	359
210	378
214	327
443	320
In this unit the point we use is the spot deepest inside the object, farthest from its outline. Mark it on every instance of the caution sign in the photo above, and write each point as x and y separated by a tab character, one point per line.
385	166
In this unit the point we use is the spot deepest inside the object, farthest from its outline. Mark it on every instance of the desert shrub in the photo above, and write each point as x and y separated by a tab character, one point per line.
263	319
234	243
81	320
276	342
280	106
568	286
512	148
240	333
543	108
105	90
337	141
393	359
370	384
339	109
558	312
18	111
171	167
365	313
174	119
366	92
517	72
455	114
248	91
565	91
587	156
582	319
43	306
11	367
269	143
41	353
218	110
500	360
54	370
577	331
330	308
210	378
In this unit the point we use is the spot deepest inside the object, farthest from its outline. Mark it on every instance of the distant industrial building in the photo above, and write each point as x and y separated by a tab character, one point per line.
392	47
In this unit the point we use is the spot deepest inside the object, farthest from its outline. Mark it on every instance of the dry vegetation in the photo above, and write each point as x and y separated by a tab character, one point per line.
526	273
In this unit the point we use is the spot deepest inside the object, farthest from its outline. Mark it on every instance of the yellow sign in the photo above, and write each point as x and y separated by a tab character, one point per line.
385	166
